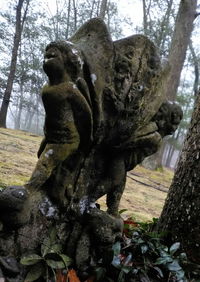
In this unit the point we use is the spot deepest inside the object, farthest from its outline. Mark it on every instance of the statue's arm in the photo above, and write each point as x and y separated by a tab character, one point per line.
82	113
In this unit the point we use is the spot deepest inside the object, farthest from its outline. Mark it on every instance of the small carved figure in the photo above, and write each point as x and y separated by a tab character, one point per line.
68	122
143	143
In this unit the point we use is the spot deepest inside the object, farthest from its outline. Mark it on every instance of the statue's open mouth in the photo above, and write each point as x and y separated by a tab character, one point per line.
48	59
147	130
49	56
147	134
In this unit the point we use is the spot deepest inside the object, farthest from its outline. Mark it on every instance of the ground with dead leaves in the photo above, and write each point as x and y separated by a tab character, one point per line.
145	190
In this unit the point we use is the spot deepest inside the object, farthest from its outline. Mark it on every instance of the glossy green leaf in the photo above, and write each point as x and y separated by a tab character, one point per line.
116	248
174	248
55	264
159	271
164	260
139	241
48	242
121	277
116	262
144	248
35	272
180	275
56	248
100	273
128	259
126	269
67	260
30	259
134	270
164	253
183	256
174	266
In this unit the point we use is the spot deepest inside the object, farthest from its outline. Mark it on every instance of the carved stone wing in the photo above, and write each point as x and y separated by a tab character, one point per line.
138	71
94	40
136	96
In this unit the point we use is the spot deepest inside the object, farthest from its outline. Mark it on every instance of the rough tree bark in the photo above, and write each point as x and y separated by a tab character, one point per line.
20	19
104	114
180	214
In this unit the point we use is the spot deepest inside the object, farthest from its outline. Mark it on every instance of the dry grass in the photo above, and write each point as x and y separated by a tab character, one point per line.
18	157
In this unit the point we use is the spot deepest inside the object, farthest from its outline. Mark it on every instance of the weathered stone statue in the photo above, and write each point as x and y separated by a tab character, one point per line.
104	115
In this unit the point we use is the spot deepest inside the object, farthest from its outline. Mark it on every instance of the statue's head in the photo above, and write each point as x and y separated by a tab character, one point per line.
62	58
168	118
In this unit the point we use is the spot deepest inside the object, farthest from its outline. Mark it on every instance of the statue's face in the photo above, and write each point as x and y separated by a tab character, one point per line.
53	63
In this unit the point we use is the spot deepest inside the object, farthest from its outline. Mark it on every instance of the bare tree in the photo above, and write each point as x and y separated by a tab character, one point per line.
146	9
103	8
180	41
20	20
68	18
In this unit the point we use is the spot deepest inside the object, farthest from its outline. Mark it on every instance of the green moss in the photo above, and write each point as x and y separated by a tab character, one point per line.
2	185
160	169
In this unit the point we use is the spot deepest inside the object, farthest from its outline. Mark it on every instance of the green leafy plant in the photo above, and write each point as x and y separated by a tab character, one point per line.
50	260
144	255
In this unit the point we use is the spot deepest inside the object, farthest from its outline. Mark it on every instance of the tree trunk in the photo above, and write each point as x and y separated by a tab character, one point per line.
196	68
92	9
103	8
75	16
169	155
145	26
17	38
180	214
180	41
162	38
68	18
19	106
29	120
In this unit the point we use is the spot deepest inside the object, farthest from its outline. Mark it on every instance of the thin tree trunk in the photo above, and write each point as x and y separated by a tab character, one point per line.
145	27
17	38
103	8
75	15
19	112
180	41
68	17
30	119
98	7
196	68
92	9
172	149
164	24
57	21
170	153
